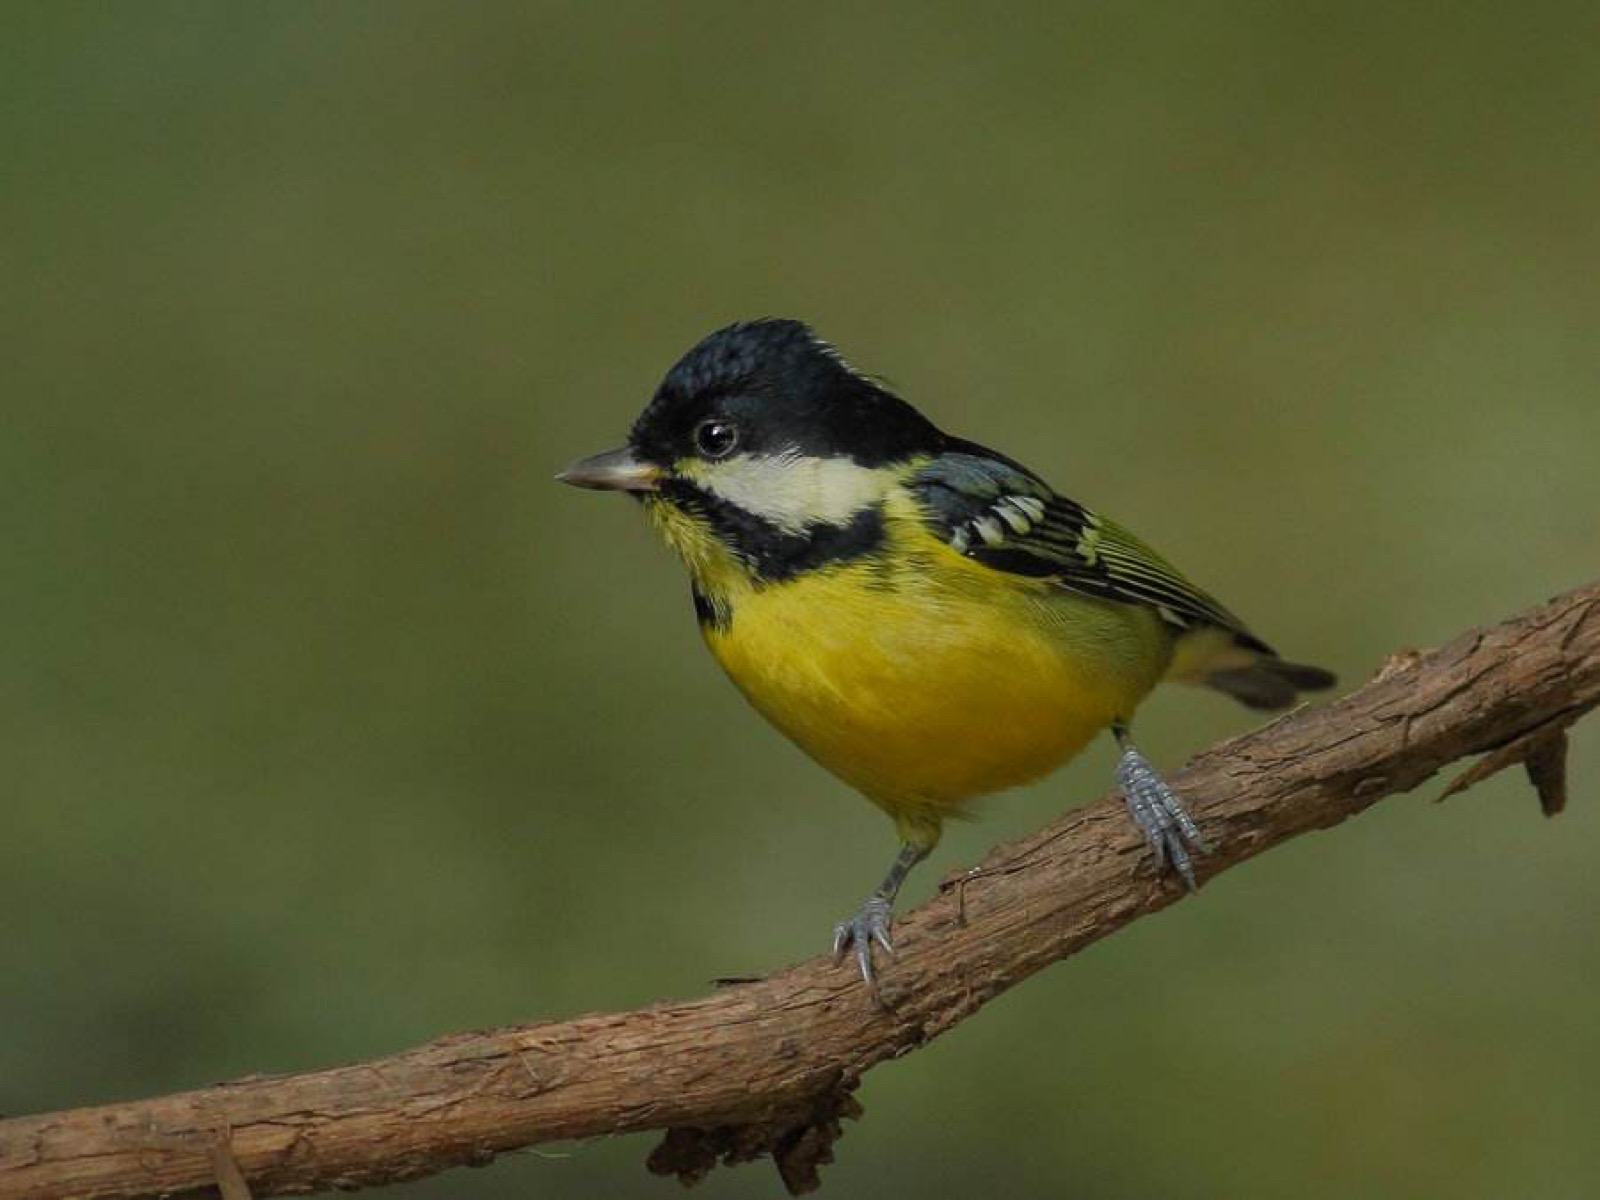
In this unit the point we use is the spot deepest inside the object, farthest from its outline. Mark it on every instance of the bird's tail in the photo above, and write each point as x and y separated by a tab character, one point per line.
1269	683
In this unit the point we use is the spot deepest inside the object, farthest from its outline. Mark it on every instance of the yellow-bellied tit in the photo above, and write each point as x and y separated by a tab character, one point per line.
926	618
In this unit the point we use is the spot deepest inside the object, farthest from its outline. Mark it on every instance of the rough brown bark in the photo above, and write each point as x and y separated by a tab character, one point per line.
766	1067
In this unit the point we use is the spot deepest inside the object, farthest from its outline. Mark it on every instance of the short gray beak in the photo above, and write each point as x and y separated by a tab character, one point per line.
613	471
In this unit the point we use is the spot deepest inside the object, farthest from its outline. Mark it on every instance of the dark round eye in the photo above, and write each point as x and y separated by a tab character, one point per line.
716	438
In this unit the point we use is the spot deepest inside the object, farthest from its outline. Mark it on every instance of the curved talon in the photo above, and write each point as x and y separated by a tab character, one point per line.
1160	816
869	925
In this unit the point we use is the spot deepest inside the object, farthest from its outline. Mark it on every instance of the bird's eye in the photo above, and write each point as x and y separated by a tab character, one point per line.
716	439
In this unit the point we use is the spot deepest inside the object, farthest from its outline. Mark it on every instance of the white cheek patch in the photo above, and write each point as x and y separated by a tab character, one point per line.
793	490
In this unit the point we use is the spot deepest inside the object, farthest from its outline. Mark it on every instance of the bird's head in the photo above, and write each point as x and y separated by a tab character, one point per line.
763	447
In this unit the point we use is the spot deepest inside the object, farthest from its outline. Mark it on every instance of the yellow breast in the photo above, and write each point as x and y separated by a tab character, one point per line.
924	679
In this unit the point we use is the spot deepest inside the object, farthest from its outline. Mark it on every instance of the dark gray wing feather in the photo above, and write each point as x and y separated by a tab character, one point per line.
1002	515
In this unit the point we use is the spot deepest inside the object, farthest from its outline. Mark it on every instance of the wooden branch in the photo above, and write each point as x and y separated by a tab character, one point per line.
766	1067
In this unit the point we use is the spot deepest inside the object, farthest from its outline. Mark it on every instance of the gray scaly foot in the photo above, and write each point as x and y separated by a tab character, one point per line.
1157	811
869	925
872	923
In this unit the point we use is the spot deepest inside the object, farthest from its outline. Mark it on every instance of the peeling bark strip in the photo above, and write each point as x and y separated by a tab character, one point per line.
766	1067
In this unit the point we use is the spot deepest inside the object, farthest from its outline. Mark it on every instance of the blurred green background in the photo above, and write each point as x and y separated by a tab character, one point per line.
330	724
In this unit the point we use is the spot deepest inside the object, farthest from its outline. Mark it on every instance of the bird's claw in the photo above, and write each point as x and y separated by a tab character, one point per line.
869	925
1156	810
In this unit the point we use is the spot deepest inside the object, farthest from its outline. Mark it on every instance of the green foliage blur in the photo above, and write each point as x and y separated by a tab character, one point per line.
329	723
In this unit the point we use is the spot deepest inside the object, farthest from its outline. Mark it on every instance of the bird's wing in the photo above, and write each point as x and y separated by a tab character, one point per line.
999	513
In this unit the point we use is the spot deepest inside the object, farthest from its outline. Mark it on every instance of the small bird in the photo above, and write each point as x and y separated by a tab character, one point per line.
924	617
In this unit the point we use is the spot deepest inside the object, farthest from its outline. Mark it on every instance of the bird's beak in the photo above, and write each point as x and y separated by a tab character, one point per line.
613	471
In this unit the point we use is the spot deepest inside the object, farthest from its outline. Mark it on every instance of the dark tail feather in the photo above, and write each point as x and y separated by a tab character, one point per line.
1270	683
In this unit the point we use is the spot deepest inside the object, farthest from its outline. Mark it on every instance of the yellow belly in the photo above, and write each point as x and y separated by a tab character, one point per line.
934	686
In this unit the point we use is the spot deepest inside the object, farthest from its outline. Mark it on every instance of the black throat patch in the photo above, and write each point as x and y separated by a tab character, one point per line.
713	612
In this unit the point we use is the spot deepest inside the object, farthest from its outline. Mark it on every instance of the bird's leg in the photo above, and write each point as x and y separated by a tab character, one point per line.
871	924
1156	810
